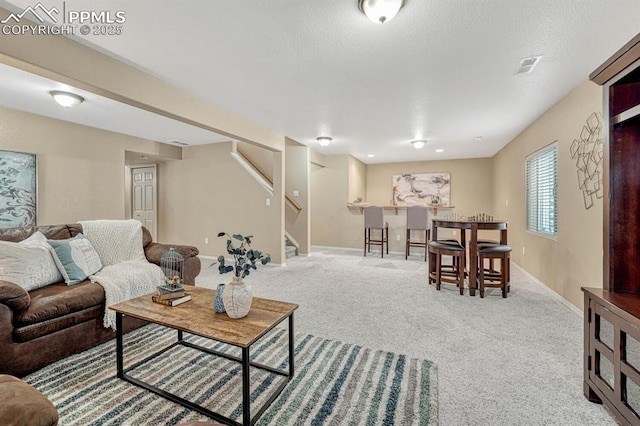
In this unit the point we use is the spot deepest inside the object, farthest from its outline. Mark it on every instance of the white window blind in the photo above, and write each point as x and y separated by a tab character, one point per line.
542	191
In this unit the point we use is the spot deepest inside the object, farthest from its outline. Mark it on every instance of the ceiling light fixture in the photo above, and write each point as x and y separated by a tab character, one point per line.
324	140
419	144
439	150
371	155
380	11
66	99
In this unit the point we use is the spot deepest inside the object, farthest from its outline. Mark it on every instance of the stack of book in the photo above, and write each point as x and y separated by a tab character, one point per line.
171	296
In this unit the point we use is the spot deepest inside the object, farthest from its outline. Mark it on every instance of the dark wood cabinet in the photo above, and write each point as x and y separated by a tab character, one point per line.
612	352
612	314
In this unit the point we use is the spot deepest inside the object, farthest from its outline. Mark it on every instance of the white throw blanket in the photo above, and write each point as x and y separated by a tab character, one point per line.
124	281
127	273
115	241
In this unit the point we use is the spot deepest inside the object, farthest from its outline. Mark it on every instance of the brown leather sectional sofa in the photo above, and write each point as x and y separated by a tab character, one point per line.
47	324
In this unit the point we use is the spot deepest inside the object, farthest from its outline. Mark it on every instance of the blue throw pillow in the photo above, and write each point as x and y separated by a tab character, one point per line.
76	258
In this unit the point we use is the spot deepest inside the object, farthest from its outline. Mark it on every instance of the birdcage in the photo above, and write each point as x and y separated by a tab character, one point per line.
172	264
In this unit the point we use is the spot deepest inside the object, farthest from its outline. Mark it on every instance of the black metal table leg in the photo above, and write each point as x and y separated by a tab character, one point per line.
119	361
291	346
246	391
180	336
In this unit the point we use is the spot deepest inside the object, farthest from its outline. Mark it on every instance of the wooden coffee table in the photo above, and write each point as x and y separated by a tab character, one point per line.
198	317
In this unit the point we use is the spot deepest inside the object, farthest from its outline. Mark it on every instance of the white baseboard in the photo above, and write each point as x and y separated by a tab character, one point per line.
555	295
350	249
213	259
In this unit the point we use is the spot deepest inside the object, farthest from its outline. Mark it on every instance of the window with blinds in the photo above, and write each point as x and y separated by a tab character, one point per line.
542	191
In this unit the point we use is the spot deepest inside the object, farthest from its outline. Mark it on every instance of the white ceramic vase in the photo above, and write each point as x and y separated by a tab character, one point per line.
237	298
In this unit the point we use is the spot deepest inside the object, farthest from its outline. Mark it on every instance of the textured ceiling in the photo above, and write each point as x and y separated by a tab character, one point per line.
444	71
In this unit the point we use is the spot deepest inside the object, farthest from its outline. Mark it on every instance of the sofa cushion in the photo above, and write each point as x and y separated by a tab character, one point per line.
76	258
22	404
33	331
58	300
28	263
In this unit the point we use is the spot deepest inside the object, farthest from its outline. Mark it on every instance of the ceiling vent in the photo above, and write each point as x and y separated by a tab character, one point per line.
528	64
179	143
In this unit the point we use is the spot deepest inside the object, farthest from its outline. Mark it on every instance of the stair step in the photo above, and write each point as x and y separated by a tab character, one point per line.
290	251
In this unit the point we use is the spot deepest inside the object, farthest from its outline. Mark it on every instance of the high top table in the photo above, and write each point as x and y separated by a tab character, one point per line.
473	226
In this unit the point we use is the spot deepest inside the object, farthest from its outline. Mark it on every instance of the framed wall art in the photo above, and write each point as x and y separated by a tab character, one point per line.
422	189
18	189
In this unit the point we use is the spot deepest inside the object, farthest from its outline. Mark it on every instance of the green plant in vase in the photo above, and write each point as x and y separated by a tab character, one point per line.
237	295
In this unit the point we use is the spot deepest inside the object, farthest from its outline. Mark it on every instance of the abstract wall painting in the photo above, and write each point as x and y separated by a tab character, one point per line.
587	151
421	189
18	189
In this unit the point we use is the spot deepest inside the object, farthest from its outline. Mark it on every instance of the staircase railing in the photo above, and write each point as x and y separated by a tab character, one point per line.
263	178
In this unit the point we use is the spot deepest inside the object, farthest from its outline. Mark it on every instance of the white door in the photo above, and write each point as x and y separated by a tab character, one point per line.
144	202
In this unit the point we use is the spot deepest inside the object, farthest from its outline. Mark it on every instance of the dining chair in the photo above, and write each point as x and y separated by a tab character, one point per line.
417	220
374	219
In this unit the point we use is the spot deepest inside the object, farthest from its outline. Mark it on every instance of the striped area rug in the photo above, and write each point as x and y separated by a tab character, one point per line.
334	383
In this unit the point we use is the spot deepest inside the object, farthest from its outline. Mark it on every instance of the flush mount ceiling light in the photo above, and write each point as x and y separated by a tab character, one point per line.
324	140
419	144
66	99
439	150
380	11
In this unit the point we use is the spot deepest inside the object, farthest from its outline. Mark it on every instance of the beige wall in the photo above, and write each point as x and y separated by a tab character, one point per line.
332	224
357	184
297	178
81	176
80	169
208	192
344	178
471	190
574	259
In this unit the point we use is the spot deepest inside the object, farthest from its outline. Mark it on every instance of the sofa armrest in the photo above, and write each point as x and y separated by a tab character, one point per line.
192	264
14	296
155	251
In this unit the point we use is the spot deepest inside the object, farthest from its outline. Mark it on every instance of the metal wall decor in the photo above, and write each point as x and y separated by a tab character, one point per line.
18	189
589	156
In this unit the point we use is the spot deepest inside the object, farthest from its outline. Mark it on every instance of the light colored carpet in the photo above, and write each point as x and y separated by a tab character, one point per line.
514	361
335	383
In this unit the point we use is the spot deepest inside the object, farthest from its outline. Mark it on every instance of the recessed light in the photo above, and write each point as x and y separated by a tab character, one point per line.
418	144
371	155
439	150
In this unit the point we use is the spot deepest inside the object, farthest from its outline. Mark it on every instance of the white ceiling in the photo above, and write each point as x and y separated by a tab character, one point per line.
444	71
28	92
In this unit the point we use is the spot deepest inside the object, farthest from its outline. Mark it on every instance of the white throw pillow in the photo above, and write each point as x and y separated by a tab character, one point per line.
76	258
28	263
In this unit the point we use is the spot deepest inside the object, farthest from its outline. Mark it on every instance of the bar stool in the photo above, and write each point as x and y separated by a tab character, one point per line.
491	279
439	273
417	220
374	219
483	242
